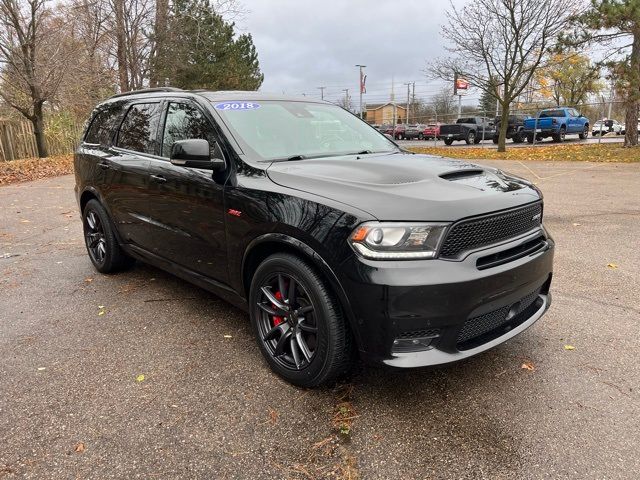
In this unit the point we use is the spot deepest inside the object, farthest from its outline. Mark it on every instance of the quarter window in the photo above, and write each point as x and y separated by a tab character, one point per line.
139	128
103	125
185	121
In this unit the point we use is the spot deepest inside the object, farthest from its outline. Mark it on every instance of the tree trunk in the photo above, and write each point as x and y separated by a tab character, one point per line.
504	125
38	131
633	99
160	28
121	47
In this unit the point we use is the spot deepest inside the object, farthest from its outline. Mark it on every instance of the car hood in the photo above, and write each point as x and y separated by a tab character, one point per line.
401	186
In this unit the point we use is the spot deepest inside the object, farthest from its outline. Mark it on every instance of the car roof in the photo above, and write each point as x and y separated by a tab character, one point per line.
211	95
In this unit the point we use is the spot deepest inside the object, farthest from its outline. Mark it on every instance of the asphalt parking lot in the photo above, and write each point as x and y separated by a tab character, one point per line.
74	403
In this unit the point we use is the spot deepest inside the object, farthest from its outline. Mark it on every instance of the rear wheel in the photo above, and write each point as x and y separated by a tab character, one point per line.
448	141
517	137
471	138
102	245
298	322
495	140
530	138
560	136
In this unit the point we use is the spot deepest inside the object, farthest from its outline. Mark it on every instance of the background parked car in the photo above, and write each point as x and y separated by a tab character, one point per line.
515	128
431	130
386	129
556	123
414	131
469	129
399	132
606	126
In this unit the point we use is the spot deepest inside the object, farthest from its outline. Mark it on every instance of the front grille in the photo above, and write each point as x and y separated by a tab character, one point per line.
486	327
482	231
434	332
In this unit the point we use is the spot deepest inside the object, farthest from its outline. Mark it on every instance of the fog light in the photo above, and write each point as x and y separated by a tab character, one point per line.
411	344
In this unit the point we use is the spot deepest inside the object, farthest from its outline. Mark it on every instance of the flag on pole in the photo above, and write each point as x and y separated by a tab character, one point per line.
363	82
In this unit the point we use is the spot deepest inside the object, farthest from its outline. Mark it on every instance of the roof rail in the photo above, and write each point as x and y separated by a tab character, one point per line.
148	90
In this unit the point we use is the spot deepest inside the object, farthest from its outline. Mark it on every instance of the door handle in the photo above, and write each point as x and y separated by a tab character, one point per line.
158	178
104	166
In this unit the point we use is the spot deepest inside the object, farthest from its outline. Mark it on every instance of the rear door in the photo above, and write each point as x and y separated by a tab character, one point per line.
187	204
127	176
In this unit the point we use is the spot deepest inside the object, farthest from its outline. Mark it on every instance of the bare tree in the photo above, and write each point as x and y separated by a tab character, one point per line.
497	45
33	56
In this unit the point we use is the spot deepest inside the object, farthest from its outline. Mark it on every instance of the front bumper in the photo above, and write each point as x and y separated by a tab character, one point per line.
454	309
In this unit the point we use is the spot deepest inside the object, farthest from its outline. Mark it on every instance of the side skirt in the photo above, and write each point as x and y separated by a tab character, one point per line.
220	289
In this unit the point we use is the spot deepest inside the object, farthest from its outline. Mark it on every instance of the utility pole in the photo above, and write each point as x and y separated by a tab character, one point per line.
321	92
413	99
361	86
346	102
406	118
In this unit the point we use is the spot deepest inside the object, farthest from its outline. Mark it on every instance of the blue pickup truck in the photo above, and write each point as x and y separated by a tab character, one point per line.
556	123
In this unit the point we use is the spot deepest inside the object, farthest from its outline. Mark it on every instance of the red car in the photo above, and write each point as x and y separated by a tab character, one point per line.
431	130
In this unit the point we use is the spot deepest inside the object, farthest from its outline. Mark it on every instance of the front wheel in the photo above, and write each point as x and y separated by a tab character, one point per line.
102	245
448	141
298	322
585	133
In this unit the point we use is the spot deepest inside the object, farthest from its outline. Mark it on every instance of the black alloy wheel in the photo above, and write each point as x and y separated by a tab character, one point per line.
298	323
585	133
95	237
287	324
102	245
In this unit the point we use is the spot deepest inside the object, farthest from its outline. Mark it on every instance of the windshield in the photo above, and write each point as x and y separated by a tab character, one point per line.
281	130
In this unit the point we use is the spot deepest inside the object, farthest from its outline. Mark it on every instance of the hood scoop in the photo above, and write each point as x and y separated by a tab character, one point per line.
460	174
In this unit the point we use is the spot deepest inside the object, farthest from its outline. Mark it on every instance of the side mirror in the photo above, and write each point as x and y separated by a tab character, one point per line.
196	153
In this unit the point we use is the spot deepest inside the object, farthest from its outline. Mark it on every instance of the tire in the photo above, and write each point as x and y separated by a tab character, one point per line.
517	138
559	137
102	244
471	137
448	141
585	133
420	136
530	138
495	140
321	336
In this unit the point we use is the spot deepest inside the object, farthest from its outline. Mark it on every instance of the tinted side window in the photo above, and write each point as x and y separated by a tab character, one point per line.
185	121
103	125
139	128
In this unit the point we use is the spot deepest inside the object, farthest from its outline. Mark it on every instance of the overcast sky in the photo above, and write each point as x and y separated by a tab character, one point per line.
303	45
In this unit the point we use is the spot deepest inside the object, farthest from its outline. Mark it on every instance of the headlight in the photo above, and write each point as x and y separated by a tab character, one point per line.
397	241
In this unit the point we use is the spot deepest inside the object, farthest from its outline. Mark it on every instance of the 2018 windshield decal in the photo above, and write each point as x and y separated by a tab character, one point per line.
237	106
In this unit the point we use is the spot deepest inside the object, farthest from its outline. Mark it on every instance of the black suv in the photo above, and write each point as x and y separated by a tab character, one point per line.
334	240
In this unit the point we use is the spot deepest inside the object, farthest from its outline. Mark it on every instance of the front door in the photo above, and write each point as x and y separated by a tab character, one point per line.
187	204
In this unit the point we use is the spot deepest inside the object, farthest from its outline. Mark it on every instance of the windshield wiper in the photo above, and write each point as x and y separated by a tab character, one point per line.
296	157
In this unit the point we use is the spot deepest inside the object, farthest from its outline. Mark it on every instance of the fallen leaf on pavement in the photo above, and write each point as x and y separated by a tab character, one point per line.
24	221
569	347
528	366
577	224
612	265
88	280
227	336
140	378
40	369
79	447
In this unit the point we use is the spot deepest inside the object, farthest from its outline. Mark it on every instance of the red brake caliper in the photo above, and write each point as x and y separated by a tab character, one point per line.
276	319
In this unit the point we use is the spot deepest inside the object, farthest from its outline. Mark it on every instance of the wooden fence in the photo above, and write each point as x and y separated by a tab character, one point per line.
17	140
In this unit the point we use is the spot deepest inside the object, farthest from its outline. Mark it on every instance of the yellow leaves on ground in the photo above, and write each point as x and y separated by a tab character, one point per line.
140	378
553	152
612	266
569	347
79	447
28	169
101	310
528	366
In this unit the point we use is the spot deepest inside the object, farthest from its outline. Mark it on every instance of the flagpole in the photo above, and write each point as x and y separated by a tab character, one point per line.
361	86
